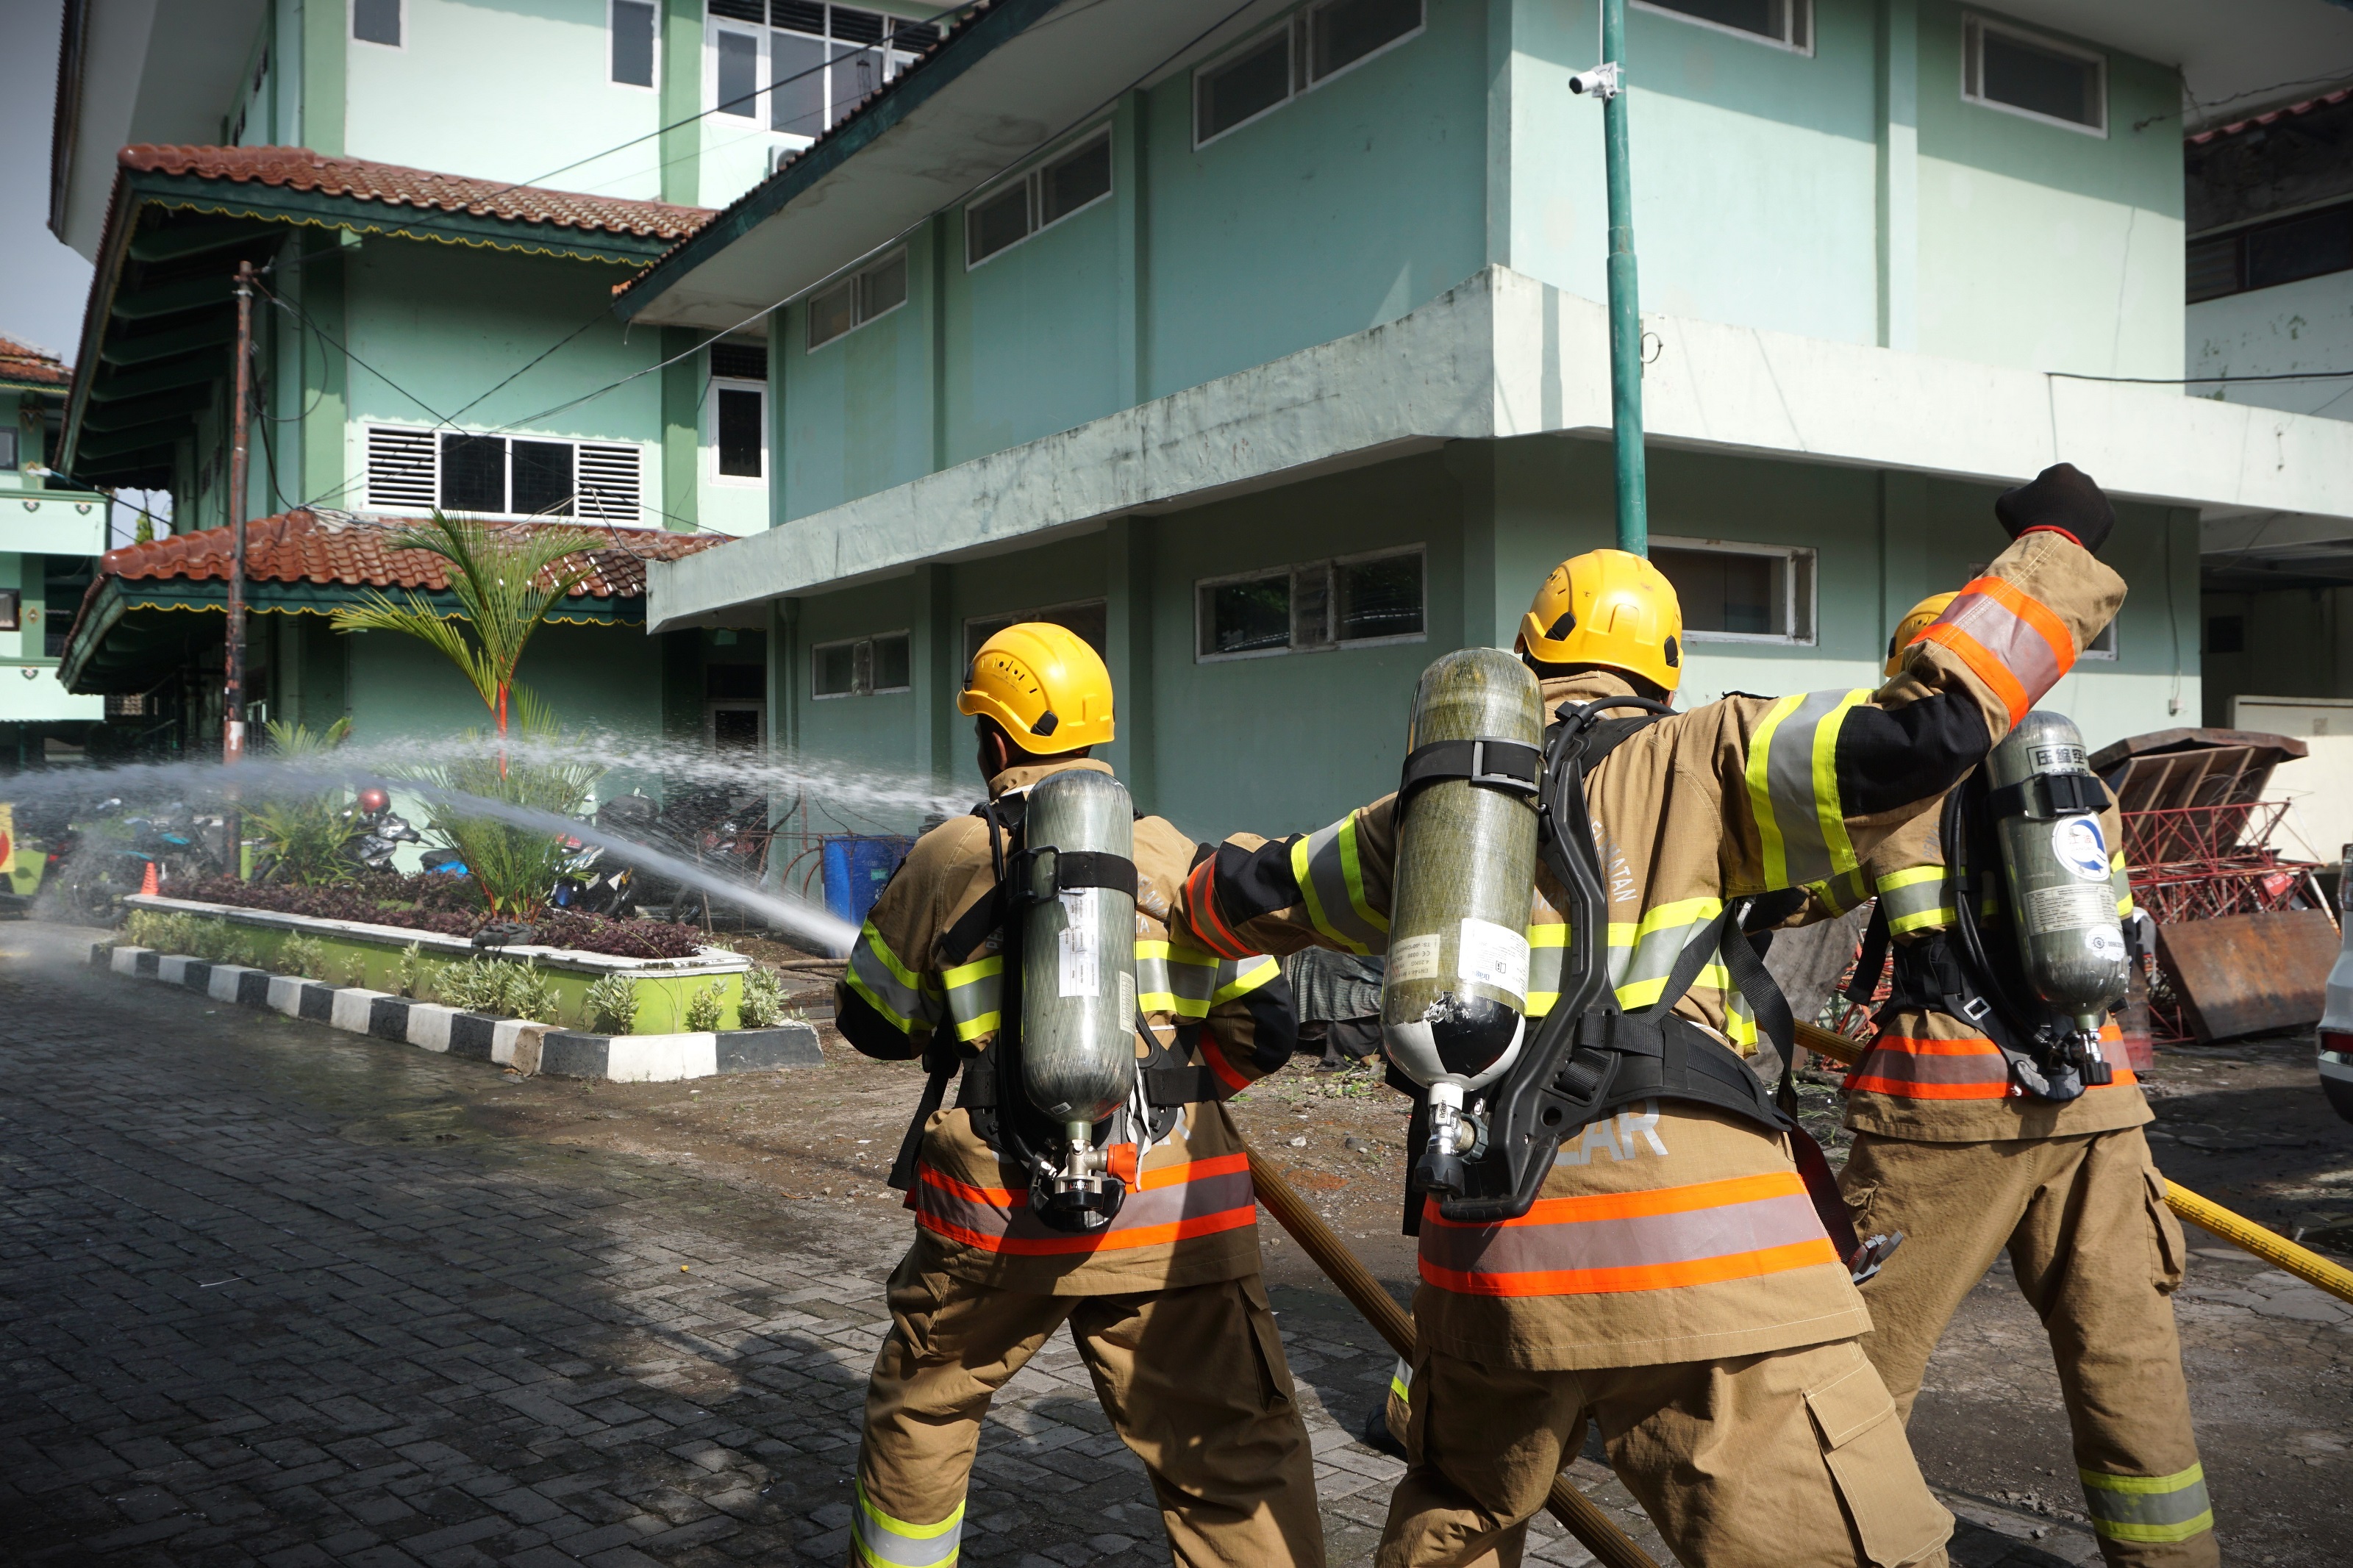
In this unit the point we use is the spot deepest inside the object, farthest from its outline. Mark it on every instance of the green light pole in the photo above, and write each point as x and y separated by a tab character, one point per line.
1606	81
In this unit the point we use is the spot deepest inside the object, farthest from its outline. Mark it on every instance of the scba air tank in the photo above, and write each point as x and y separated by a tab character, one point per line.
1454	1001
2046	803
1077	951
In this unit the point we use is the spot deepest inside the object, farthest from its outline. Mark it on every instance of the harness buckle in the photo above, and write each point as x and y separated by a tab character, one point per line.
1499	778
1975	1008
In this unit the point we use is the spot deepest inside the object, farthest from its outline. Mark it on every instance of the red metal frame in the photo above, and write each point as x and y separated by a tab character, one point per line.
2200	862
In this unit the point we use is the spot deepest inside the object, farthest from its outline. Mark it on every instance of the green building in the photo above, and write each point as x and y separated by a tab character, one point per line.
438	197
1266	348
49	532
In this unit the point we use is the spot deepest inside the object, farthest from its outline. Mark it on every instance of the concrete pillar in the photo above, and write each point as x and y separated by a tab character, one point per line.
682	102
1128	651
935	657
1898	74
1127	132
681	443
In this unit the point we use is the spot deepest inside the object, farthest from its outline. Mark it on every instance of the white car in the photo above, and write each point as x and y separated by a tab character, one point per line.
2336	1015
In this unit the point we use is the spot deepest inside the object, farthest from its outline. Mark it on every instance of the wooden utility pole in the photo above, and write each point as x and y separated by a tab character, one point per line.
233	682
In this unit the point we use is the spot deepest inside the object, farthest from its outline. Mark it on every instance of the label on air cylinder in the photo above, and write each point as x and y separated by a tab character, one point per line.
1495	956
2105	944
1415	958
2061	758
1080	954
2069	907
2077	841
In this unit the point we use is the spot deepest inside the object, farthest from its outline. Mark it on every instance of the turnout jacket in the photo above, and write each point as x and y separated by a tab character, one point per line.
1935	1078
1672	1233
1190	1213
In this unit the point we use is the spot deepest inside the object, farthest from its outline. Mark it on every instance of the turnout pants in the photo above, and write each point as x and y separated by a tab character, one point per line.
1795	1459
2097	1256
1193	1379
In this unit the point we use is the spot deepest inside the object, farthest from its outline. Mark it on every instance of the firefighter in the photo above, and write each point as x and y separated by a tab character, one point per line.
1672	1281
1953	1149
1164	1303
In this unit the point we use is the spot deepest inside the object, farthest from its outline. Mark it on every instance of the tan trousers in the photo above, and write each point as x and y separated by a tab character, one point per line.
1792	1459
1193	1379
2097	1255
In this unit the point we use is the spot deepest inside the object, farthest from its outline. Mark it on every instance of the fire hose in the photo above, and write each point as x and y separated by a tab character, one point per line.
1574	1510
2239	1230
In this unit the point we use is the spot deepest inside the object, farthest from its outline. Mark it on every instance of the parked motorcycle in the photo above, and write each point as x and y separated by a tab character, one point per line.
377	832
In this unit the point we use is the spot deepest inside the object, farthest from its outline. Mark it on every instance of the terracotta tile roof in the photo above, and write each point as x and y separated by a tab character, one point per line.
959	25
300	547
2274	116
300	169
22	364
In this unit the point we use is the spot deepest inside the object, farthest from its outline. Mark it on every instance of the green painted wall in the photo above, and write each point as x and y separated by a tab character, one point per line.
607	677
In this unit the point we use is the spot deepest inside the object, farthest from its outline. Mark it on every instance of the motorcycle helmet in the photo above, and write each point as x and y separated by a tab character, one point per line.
373	800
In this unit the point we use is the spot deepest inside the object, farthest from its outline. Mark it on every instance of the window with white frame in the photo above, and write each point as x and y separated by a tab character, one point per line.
1354	601
1314	44
866	294
812	63
1788	23
7	447
1090	618
2020	72
1037	200
376	22
861	667
739	413
412	470
633	26
1740	592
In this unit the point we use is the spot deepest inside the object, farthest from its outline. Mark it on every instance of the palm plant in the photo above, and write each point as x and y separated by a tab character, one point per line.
302	833
505	583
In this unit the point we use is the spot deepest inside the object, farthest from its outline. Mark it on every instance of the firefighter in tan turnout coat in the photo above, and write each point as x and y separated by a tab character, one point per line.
1166	1305
1672	1281
1948	1151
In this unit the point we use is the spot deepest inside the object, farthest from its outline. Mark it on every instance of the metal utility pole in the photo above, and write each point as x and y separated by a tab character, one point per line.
1607	82
233	683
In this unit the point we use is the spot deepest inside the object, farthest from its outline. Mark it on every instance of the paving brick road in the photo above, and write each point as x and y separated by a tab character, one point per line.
266	1297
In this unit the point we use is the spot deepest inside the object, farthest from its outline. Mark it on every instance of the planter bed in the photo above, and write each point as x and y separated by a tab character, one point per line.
372	953
519	1043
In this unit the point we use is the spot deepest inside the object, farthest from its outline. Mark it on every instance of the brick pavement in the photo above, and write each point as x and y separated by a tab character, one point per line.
244	1318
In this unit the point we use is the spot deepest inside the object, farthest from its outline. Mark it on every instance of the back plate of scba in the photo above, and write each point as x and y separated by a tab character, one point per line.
1453	1000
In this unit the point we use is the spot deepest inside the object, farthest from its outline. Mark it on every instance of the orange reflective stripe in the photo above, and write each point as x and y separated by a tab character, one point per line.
1173	1203
1201	904
1972	1068
1213	1052
2009	639
1700	1234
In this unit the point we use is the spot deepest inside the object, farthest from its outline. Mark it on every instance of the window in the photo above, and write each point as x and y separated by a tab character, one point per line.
11	609
740	362
1351	602
1739	592
7	448
1788	23
2025	73
633	42
2226	633
860	667
857	299
2288	250
735	682
376	22
1088	617
813	62
1314	45
417	471
1037	200
739	417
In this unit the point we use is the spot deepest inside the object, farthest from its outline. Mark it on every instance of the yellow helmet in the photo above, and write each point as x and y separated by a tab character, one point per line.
1044	683
1607	608
1909	628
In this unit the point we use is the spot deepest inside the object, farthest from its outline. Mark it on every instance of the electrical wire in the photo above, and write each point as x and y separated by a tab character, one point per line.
2203	379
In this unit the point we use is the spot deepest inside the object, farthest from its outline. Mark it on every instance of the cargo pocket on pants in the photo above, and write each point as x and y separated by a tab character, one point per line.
2170	1249
1266	1344
1895	1517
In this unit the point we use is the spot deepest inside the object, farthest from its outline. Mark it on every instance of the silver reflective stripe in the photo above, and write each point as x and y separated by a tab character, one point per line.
2154	1510
887	1543
896	991
1179	980
1331	882
975	991
1801	827
1918	898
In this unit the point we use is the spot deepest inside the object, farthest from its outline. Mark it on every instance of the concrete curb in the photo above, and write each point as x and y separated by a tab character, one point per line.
518	1042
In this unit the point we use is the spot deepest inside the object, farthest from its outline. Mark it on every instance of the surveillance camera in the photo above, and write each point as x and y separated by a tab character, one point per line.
1602	81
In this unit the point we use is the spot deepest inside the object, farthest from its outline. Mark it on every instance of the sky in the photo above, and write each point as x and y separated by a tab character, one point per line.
42	284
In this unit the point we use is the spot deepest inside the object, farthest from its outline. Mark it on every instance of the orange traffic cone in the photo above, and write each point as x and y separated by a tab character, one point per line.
147	883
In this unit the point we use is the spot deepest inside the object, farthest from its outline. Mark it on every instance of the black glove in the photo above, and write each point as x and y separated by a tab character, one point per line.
2062	499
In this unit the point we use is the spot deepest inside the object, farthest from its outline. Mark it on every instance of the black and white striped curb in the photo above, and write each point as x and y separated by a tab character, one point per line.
518	1042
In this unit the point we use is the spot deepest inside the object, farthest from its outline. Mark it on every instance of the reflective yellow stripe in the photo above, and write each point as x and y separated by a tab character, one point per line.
1401	1381
1792	778
1178	981
889	986
1830	811
974	995
2122	884
1915	899
1911	876
1243	977
2156	1509
1776	854
888	1543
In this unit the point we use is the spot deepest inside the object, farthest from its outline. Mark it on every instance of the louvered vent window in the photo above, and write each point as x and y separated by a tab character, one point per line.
418	470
